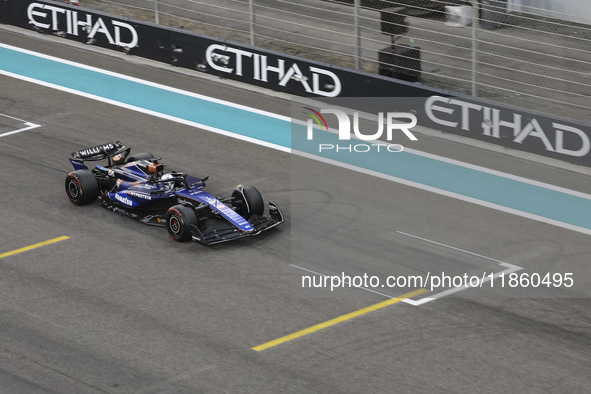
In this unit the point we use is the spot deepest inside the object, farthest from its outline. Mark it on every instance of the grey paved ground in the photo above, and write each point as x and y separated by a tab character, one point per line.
120	308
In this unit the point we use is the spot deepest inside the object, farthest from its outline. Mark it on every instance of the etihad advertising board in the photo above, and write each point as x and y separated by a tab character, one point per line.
488	121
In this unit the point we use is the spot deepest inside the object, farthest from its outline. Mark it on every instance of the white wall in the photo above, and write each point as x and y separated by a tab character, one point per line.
572	10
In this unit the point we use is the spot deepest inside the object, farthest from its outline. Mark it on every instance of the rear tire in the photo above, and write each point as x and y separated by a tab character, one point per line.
141	156
82	187
248	201
179	219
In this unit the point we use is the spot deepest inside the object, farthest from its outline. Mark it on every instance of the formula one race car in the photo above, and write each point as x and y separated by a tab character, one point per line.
138	187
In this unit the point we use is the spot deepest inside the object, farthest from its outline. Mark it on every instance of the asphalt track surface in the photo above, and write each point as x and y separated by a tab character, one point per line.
118	307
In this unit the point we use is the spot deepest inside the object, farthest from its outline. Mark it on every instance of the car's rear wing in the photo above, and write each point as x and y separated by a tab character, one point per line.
99	152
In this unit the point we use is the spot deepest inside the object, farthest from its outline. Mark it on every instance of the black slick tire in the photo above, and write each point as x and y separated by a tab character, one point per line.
179	219
82	187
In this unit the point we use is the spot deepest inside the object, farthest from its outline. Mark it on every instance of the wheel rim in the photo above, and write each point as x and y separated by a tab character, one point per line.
174	224
73	189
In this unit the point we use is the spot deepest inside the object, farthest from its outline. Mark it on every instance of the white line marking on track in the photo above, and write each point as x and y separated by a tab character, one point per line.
29	126
148	112
147	83
444	293
446	193
499	174
451	247
510	268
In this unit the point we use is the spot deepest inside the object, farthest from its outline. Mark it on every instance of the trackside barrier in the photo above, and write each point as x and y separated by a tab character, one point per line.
504	125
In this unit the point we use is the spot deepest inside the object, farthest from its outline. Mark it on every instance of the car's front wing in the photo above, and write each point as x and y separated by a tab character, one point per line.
227	232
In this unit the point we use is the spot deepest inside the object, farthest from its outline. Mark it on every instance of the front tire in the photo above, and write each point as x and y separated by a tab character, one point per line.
82	187
179	219
248	201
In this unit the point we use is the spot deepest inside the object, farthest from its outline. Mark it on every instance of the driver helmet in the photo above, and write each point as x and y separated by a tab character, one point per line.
167	185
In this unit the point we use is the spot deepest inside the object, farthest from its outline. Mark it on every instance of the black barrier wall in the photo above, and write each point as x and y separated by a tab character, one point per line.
480	119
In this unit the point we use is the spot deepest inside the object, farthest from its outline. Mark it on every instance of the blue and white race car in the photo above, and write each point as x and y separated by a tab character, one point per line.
138	187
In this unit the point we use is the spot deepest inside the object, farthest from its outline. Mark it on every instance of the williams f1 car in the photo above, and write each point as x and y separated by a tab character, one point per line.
137	186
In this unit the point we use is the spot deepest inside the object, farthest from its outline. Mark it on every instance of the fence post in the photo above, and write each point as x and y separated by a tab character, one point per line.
475	26
251	21
356	6
157	12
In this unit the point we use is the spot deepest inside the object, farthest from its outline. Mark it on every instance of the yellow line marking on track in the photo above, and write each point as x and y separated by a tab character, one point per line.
337	320
35	246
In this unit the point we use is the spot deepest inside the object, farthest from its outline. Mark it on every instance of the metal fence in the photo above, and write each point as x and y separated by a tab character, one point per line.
526	58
